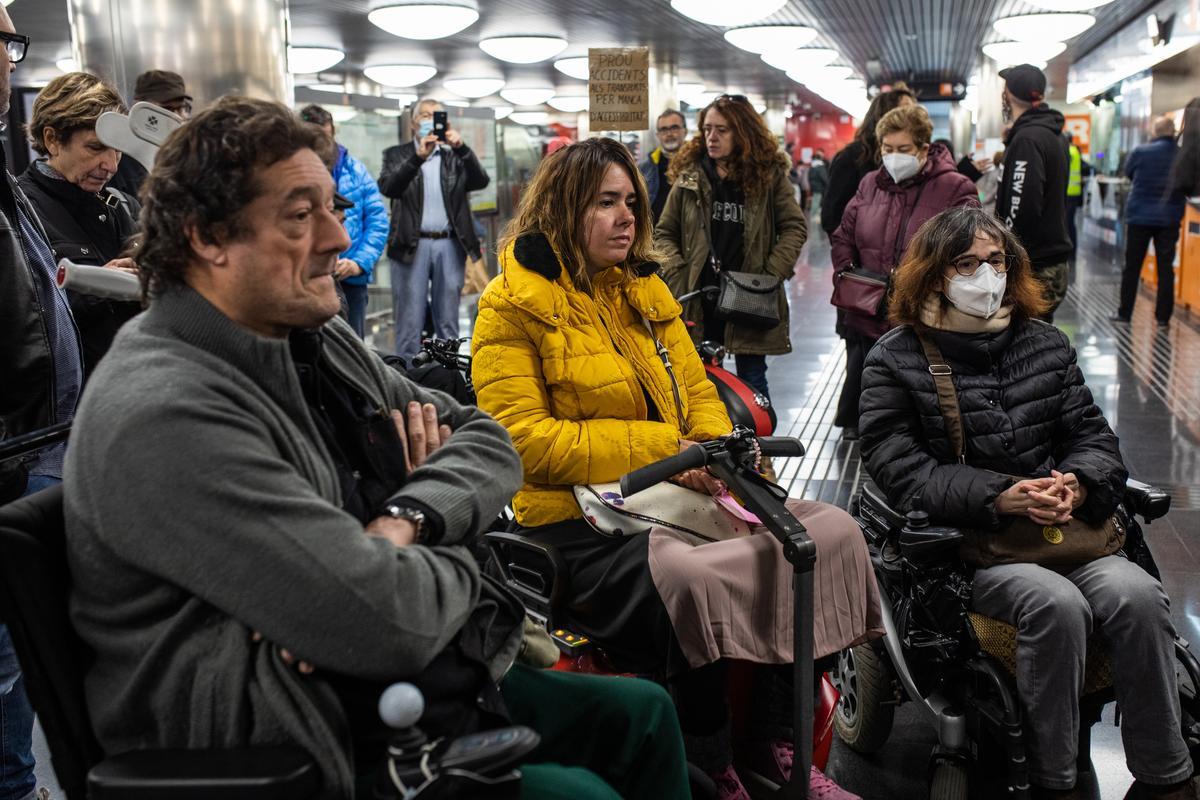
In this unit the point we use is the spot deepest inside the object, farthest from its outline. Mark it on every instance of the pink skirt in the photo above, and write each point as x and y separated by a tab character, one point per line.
734	598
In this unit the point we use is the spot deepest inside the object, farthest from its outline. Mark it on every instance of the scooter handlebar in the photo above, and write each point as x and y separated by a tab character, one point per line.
645	477
781	446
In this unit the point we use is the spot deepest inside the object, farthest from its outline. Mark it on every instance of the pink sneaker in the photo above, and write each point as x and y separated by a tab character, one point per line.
781	754
822	788
729	785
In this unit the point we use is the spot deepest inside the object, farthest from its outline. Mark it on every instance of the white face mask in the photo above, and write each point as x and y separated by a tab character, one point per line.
980	294
901	166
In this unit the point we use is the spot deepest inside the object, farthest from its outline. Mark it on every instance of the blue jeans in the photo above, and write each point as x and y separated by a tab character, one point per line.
753	370
356	306
433	281
16	715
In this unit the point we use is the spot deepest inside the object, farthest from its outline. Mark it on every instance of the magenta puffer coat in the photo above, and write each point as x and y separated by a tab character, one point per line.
883	217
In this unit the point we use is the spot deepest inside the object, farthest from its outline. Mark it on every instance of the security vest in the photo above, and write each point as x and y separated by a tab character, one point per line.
1075	176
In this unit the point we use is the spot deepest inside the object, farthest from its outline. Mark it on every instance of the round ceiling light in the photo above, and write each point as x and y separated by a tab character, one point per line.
473	87
424	20
529	117
390	113
400	74
726	14
803	59
67	64
332	88
1043	27
569	103
770	38
820	76
403	98
527	96
523	49
1008	53
1068	5
498	108
575	67
306	60
701	99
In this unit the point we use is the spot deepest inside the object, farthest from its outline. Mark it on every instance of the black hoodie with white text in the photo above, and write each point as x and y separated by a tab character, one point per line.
1032	197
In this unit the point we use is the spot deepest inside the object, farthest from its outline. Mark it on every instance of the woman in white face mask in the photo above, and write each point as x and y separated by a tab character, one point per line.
1034	454
917	180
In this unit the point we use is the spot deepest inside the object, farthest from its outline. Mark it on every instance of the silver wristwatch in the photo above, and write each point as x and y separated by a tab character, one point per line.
414	515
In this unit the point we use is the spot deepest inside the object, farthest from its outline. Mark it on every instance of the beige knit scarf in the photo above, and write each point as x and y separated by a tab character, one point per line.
945	317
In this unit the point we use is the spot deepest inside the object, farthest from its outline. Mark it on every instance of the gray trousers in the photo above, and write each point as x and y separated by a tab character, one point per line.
1054	614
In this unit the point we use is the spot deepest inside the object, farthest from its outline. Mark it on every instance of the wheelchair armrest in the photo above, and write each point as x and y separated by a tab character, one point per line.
255	773
873	506
1146	501
543	589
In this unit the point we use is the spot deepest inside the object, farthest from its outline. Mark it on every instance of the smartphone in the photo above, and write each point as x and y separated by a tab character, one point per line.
439	125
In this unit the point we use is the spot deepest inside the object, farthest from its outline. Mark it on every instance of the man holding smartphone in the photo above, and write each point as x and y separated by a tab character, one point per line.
431	232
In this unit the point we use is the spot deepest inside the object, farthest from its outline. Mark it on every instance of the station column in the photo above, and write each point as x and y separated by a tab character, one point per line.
218	46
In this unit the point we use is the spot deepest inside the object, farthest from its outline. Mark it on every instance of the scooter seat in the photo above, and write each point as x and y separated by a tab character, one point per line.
999	640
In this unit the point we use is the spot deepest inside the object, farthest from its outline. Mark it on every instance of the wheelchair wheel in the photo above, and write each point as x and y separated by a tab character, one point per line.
949	781
868	703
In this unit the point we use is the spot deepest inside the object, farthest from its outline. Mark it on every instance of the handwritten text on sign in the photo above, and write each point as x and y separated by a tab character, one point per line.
619	88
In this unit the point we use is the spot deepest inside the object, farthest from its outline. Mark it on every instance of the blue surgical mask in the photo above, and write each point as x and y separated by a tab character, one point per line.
424	128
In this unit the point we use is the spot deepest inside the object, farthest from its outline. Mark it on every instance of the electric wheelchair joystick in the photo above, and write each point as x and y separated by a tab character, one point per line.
476	765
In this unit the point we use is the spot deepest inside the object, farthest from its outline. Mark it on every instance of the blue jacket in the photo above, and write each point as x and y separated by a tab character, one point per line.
649	170
1151	201
367	222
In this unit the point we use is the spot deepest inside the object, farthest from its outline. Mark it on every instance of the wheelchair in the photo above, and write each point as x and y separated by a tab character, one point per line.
539	576
34	586
958	666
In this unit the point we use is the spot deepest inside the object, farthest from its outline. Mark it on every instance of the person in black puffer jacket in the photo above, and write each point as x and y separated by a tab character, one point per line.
86	220
1036	447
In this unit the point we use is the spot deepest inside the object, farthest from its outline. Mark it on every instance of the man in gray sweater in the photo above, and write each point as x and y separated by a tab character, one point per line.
264	522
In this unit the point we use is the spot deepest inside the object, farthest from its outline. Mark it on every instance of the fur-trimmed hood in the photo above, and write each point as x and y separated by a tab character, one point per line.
533	278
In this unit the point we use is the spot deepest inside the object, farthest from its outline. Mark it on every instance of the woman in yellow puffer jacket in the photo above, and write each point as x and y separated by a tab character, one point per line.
564	356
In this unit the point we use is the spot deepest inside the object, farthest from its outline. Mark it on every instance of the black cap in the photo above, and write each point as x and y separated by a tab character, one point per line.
341	202
1025	82
160	86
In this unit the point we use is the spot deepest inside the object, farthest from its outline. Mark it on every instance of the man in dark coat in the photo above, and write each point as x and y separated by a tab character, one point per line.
432	231
1032	197
1152	212
42	368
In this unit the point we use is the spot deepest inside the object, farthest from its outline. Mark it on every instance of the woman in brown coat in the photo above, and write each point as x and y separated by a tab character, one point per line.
731	208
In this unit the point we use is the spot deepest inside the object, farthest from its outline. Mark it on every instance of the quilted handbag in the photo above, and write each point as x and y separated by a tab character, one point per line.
749	298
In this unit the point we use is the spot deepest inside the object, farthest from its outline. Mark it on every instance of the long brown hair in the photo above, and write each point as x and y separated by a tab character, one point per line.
755	154
558	203
941	240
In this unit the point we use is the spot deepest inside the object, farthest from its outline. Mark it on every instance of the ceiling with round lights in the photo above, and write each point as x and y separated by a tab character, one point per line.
717	43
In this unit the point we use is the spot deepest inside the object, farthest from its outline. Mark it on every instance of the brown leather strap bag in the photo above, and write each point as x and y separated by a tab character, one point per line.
1022	541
